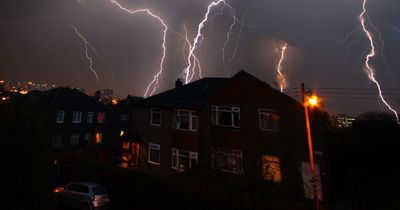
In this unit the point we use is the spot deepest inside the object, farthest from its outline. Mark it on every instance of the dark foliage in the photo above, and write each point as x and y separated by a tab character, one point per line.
365	162
24	165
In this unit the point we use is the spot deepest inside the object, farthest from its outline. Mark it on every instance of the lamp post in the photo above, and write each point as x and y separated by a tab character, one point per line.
311	101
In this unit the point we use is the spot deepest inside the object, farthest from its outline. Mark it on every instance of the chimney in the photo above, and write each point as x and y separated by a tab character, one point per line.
178	83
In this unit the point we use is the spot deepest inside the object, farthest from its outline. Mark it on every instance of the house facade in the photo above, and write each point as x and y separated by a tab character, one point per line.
239	125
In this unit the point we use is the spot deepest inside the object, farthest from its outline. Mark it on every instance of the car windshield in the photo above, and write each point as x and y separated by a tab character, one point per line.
99	190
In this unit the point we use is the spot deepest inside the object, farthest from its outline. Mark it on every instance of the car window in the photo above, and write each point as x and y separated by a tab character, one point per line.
99	190
83	189
73	187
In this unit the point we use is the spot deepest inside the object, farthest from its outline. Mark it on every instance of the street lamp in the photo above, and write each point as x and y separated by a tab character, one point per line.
311	101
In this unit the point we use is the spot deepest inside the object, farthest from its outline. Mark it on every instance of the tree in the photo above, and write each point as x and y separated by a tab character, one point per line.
23	157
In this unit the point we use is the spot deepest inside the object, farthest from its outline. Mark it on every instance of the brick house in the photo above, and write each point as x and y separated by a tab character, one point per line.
237	125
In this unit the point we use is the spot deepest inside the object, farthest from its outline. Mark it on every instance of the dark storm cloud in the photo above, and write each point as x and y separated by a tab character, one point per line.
38	45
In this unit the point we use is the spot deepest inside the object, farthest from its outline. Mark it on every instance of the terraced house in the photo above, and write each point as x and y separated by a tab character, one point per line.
237	125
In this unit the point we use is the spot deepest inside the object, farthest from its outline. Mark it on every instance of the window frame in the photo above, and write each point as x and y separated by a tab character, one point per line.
59	121
265	112
176	154
270	174
103	114
125	117
192	115
157	147
216	109
73	137
77	117
227	153
152	112
90	117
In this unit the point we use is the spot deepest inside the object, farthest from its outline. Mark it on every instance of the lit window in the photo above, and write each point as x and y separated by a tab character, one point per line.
124	117
185	120
154	153
183	160
60	116
225	116
121	133
269	120
74	139
155	117
90	117
271	168
100	117
77	117
99	138
227	160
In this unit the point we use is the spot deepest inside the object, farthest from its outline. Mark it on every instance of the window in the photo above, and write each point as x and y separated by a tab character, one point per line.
74	139
60	116
130	155
227	160
271	168
183	160
77	117
225	116
269	120
57	140
87	138
99	138
154	153
100	117
185	120
124	117
156	117
90	117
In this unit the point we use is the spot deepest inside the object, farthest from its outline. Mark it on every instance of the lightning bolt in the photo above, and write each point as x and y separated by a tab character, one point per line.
195	59
228	34
189	70
86	51
369	69
153	85
240	33
382	45
280	77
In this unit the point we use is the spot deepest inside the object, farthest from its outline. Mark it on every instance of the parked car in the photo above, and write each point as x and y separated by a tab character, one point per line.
82	195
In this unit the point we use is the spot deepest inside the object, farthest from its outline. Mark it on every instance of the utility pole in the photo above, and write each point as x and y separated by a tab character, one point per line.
310	147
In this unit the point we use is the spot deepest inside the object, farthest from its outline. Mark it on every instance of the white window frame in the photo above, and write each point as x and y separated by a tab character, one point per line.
90	116
230	109
60	116
176	153
77	117
193	120
152	111
267	113
153	146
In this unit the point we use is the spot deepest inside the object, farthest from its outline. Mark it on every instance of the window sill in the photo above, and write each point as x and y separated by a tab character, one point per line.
153	163
186	130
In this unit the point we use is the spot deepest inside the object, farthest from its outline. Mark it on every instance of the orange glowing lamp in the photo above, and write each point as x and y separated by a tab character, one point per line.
313	100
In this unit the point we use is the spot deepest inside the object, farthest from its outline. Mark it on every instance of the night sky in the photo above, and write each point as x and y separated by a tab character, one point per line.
36	44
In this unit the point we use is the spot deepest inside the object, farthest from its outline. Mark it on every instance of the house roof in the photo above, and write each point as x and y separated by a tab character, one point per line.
189	96
192	95
65	98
